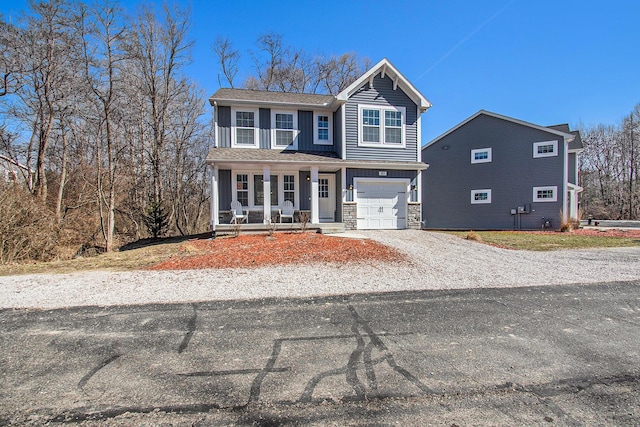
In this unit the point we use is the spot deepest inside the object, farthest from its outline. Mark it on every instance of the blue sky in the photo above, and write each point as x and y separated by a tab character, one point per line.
543	61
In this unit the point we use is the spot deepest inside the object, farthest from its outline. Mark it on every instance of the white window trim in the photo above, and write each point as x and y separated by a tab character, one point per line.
317	141
538	144
256	123
382	109
480	202
547	200
296	131
481	150
280	175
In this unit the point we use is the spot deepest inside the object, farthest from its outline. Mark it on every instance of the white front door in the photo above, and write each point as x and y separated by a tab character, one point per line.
327	198
382	205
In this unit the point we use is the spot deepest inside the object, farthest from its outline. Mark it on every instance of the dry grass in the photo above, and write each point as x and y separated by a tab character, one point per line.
133	259
549	240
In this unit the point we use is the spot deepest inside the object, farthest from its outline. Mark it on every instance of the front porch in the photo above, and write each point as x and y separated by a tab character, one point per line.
322	228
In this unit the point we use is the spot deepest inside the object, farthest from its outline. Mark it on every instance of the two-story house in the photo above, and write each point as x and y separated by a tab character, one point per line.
493	172
353	158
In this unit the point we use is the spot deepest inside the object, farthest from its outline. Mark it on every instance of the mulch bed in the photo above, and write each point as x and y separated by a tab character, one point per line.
256	250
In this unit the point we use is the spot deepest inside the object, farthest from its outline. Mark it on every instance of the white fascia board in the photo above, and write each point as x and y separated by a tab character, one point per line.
332	106
567	136
356	164
386	67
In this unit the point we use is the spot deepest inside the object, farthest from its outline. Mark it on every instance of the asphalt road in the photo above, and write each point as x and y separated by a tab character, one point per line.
561	355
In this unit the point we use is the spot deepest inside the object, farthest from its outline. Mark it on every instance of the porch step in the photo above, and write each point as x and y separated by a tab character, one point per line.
331	228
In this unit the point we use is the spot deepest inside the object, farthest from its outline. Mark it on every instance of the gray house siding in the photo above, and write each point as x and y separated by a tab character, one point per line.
265	128
338	184
571	167
337	131
375	173
305	190
382	94
224	127
511	176
224	188
306	136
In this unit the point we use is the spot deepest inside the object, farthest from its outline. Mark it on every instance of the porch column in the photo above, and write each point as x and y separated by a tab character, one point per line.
214	202
315	205
266	188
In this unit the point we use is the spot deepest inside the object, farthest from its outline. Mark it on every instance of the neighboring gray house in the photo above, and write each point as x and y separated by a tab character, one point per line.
353	158
493	172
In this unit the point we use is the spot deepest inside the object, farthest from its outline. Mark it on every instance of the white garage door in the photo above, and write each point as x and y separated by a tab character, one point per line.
382	205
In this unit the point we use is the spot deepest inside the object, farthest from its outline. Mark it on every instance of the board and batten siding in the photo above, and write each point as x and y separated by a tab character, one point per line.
306	136
383	94
511	176
224	127
224	189
337	131
265	128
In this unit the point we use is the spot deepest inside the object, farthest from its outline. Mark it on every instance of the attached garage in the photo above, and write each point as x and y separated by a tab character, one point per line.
381	204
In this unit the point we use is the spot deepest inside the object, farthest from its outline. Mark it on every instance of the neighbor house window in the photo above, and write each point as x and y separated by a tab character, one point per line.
481	155
285	126
289	184
480	196
545	149
245	128
258	190
545	194
322	129
381	125
242	189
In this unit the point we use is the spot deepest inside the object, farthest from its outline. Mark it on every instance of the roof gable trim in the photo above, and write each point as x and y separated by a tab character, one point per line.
386	69
567	136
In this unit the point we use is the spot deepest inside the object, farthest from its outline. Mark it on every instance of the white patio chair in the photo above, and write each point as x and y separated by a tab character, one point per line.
238	213
286	211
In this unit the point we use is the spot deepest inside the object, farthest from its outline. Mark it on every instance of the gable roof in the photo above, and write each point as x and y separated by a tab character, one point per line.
568	137
576	144
248	96
386	68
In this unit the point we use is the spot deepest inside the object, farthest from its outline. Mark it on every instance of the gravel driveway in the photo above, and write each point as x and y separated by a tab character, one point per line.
437	261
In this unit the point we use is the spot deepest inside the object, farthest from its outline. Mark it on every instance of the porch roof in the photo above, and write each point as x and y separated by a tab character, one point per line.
244	156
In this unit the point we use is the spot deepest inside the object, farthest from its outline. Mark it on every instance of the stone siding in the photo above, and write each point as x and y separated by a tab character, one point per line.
350	215
413	216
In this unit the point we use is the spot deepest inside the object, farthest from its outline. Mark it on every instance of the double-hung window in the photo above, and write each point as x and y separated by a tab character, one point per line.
322	129
289	184
242	189
381	125
545	149
285	125
245	128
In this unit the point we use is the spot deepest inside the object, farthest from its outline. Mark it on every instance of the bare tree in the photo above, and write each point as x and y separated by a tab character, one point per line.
161	49
283	68
227	59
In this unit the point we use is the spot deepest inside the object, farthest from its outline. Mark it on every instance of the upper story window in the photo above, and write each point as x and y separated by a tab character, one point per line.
545	149
284	128
245	128
481	155
545	194
322	129
480	196
381	125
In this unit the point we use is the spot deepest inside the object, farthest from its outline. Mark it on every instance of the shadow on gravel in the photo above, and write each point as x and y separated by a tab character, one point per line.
143	243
